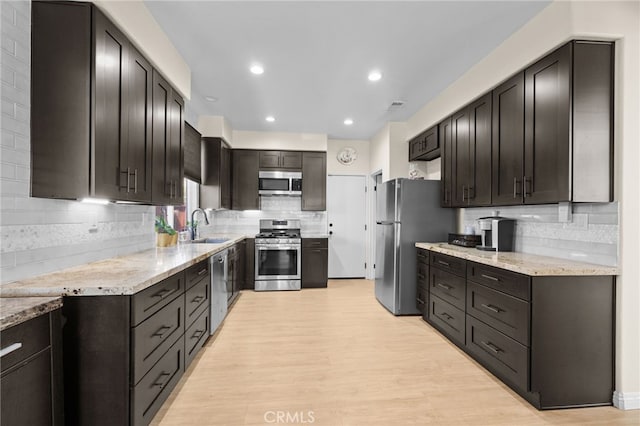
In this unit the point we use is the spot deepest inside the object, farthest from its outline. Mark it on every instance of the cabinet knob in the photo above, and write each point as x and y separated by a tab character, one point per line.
330	232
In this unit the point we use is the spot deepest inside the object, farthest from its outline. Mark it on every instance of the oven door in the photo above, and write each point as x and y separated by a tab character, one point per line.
277	262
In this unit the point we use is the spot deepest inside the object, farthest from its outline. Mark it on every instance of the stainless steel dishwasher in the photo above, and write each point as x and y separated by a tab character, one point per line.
219	278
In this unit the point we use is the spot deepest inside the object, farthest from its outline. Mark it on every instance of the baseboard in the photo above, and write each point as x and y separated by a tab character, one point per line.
626	400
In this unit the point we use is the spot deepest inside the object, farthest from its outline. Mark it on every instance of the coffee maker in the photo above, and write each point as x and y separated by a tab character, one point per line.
496	233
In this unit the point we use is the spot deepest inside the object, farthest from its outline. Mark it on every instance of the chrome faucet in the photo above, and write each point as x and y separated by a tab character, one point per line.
194	228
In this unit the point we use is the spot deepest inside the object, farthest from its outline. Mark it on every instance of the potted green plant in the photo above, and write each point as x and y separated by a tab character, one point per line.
166	235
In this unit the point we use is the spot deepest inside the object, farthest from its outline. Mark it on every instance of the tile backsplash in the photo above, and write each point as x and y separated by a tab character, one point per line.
589	233
41	235
247	222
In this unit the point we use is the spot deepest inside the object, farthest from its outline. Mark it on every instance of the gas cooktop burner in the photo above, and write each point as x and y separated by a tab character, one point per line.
278	235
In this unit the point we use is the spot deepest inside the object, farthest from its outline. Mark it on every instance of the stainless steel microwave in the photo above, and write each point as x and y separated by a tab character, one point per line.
280	183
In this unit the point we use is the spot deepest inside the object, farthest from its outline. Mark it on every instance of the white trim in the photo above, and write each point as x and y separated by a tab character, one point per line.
626	400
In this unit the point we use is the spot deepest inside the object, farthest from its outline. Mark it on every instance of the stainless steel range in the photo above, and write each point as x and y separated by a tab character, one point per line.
278	253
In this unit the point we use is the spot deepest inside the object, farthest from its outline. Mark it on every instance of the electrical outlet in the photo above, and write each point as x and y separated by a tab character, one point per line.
93	228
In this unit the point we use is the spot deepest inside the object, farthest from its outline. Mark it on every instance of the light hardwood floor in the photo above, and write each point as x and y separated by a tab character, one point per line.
336	357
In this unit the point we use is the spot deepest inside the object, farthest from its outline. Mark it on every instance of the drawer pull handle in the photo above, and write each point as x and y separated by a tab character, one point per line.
446	287
164	293
442	262
446	315
161	331
204	271
420	300
422	277
197	299
160	384
11	348
492	308
492	347
197	334
489	277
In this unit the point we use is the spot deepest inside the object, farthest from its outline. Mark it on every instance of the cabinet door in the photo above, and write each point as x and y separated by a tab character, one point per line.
291	159
176	154
547	134
269	159
314	181
110	115
244	181
249	277
314	268
162	188
460	139
508	141
479	179
448	164
137	156
225	177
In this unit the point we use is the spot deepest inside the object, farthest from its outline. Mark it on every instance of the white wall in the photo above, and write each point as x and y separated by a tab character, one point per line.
133	17
215	126
279	140
379	152
557	23
359	167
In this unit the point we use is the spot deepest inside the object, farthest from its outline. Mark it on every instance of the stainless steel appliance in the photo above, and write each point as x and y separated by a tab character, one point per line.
278	255
496	233
407	211
280	183
218	292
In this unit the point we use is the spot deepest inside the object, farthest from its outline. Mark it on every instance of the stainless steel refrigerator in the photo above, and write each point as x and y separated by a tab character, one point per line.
407	211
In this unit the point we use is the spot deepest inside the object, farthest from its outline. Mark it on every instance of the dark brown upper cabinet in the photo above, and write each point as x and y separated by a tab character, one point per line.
460	139
477	188
244	184
425	146
568	125
215	191
508	141
314	181
99	144
168	133
448	165
192	153
290	160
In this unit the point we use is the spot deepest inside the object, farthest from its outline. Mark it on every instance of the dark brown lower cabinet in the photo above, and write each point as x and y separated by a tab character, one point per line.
249	261
123	355
315	267
422	296
31	380
549	338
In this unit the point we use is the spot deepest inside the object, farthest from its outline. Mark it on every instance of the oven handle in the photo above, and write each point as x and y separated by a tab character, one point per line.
277	247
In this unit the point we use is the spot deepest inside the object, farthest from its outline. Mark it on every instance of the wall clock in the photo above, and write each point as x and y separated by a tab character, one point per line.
347	156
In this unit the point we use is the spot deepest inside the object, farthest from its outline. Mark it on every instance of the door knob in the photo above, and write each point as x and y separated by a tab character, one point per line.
331	224
330	232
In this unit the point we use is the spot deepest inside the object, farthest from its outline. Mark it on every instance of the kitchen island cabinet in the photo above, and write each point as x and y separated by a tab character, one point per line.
31	355
543	326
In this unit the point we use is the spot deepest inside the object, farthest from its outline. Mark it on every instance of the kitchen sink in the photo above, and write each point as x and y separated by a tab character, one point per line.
210	240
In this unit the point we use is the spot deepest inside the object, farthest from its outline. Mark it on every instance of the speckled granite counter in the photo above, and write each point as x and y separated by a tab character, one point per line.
523	263
123	275
16	310
315	235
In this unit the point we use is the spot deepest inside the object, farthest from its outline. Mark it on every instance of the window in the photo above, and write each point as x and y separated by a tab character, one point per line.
179	216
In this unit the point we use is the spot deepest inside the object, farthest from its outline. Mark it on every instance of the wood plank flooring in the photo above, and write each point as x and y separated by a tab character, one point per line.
336	357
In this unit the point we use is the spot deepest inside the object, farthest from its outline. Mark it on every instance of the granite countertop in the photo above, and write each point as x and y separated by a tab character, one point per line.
315	235
523	263
124	275
16	310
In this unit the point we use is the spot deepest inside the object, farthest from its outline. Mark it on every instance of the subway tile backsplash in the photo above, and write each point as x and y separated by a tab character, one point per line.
590	233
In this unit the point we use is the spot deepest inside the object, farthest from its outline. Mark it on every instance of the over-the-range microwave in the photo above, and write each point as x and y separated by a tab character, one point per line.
280	183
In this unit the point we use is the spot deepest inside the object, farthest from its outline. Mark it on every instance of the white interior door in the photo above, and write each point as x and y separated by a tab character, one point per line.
346	212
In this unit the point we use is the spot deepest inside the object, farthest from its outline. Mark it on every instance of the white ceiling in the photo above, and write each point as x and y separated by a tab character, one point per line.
317	54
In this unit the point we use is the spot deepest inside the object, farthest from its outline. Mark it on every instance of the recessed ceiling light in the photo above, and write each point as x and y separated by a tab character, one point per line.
270	119
256	69
375	75
348	121
210	99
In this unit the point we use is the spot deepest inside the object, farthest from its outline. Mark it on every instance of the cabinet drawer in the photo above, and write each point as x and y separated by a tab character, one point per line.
151	339
151	300
423	274
512	283
155	387
321	243
451	264
195	297
196	336
32	335
505	357
422	298
423	256
448	318
448	287
196	273
505	313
